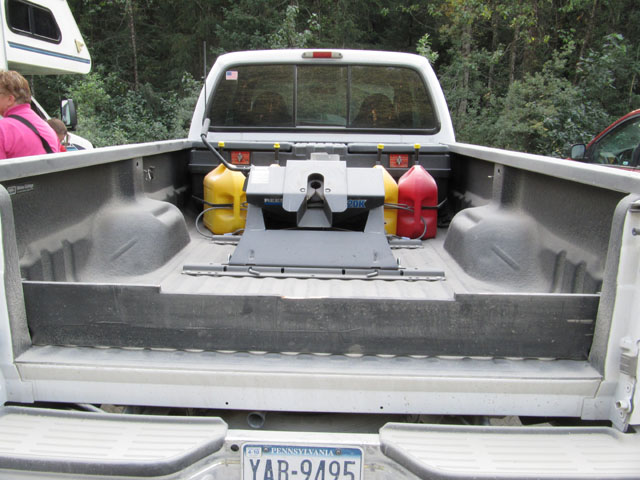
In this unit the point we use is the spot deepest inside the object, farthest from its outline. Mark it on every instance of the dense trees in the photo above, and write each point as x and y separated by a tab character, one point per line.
534	75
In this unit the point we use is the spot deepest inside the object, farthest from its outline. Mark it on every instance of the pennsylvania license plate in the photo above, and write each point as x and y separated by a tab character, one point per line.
296	462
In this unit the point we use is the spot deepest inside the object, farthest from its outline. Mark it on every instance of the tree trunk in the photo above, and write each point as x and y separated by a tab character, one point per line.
634	79
494	47
590	25
587	35
134	47
466	73
529	62
512	59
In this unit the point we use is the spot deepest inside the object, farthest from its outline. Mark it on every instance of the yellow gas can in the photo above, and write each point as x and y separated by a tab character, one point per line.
390	196
224	187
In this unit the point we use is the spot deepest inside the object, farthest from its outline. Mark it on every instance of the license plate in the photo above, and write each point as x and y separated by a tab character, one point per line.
298	462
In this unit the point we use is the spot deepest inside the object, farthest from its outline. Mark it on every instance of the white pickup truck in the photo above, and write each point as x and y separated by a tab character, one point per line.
313	343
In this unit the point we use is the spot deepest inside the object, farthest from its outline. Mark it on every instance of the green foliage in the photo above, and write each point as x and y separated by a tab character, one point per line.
609	75
424	48
546	81
545	112
247	24
542	112
109	113
535	75
288	36
539	114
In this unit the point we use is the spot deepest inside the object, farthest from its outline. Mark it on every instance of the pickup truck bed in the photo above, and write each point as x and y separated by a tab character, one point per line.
84	310
131	271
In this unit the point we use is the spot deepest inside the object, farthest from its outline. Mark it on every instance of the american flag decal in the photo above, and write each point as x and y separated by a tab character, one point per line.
232	75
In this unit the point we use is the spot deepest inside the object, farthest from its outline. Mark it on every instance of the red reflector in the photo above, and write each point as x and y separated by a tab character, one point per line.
323	54
399	160
240	158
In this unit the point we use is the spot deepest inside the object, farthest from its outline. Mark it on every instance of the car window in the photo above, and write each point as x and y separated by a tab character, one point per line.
618	145
308	96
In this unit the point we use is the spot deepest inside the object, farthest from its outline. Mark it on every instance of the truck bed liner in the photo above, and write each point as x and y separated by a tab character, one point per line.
452	316
105	267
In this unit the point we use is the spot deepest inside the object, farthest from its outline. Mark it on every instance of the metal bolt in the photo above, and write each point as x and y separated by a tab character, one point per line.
623	405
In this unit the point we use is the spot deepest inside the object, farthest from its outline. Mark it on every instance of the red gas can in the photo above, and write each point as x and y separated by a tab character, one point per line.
417	189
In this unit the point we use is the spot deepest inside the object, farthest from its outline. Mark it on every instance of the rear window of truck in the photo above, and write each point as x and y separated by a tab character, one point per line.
322	96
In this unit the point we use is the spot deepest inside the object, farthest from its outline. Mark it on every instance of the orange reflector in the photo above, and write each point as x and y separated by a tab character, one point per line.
323	54
399	160
240	158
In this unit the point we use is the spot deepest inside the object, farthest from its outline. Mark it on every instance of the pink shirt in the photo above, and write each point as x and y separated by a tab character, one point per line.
17	140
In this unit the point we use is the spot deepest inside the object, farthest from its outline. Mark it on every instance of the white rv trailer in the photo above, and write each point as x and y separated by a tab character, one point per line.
41	37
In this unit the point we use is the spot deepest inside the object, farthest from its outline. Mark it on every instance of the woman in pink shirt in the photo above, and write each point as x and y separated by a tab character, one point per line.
22	131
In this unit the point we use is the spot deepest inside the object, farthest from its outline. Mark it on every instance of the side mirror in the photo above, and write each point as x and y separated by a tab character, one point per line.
578	152
68	114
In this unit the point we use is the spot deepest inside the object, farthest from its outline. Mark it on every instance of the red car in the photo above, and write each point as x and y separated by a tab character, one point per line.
617	145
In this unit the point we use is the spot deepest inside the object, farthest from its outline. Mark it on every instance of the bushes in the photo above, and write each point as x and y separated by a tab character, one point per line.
543	112
532	75
111	113
546	111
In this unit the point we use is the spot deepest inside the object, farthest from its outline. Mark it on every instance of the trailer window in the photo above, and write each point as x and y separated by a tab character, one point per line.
359	97
32	20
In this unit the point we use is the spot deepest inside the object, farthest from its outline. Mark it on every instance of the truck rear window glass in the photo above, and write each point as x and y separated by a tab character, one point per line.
345	96
255	95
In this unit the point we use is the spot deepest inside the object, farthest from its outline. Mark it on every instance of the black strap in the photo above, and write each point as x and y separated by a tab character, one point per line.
45	144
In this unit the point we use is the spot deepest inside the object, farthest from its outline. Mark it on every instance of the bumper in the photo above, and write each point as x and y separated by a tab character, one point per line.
40	443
